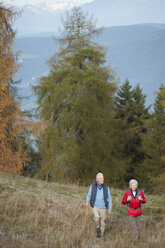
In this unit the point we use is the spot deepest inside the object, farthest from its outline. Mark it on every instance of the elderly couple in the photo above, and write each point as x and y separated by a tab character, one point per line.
99	197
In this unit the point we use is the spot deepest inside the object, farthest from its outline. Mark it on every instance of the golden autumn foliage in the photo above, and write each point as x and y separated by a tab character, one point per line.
14	127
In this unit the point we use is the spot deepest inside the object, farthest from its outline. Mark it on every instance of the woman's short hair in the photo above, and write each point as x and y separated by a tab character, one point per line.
99	175
133	181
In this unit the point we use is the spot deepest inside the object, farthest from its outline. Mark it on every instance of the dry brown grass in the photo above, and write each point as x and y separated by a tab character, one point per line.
48	215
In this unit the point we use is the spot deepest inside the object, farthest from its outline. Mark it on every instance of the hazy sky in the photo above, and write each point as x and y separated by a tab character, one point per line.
23	2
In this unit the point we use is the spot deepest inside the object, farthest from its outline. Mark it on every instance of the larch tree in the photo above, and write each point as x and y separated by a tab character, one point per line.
13	156
76	98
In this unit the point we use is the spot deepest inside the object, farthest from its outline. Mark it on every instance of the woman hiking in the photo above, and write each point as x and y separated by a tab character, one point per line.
134	197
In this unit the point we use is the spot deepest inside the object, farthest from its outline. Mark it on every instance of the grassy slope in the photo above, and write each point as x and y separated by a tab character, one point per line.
34	213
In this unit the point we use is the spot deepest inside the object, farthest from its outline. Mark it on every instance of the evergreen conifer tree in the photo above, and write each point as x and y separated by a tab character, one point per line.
154	146
131	113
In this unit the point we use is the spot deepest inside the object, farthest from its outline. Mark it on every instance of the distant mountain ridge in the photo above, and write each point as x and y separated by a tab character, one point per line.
46	17
135	52
127	12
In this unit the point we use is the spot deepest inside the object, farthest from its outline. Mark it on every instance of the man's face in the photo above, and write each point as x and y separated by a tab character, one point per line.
100	180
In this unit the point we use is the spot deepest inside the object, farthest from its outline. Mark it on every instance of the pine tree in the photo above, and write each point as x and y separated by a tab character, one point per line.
154	146
131	113
76	98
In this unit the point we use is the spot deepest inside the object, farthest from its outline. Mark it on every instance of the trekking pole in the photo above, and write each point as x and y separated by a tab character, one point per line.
85	218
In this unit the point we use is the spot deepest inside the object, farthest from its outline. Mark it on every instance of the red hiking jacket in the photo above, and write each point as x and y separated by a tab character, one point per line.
134	205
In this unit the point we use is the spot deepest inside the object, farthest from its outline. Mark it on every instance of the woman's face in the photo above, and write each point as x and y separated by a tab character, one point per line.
133	186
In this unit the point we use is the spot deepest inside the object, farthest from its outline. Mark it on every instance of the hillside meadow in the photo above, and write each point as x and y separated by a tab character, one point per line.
35	213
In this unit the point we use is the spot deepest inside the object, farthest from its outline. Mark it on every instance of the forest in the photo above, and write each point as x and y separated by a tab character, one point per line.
84	122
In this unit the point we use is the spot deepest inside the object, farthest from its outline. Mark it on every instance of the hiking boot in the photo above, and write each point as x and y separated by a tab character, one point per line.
98	232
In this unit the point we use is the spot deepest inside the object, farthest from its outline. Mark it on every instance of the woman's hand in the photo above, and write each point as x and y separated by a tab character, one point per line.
129	198
140	198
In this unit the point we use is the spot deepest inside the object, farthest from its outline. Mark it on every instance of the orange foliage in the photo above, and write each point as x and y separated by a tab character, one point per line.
14	126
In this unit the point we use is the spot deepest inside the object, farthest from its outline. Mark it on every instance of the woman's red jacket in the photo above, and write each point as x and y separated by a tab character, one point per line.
134	205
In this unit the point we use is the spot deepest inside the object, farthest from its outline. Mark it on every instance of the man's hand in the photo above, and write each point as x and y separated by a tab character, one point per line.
129	198
109	211
87	204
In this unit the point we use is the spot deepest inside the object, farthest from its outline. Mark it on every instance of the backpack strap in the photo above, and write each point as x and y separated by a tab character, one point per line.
128	202
138	193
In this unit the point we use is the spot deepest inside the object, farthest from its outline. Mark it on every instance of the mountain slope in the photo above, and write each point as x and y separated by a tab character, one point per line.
135	52
35	213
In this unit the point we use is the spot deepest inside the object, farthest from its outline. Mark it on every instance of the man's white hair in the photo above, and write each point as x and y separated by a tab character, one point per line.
99	175
133	181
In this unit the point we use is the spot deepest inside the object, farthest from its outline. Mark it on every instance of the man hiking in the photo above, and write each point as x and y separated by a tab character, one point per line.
99	197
